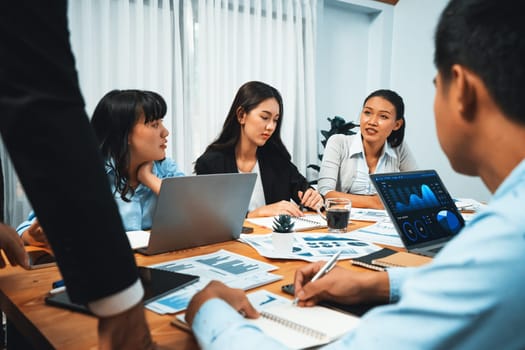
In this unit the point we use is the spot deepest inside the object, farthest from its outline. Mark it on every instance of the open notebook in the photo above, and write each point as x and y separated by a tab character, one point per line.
303	223
295	327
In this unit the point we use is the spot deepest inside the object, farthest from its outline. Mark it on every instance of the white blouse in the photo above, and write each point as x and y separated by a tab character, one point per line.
344	167
257	200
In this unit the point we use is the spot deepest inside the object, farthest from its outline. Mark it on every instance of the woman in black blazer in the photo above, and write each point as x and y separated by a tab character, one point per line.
250	141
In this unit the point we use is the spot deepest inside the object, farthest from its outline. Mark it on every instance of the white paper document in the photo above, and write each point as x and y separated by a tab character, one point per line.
138	239
382	232
363	214
234	270
468	216
468	204
312	246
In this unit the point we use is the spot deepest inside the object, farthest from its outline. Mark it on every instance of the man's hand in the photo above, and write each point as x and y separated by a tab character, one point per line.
340	285
127	330
215	289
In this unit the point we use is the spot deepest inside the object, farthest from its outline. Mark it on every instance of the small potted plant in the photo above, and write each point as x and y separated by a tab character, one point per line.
282	236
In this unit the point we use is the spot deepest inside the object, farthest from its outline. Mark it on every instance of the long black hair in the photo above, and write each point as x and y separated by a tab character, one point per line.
397	136
114	117
248	97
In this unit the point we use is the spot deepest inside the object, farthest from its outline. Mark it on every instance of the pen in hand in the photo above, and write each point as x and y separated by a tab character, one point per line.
323	271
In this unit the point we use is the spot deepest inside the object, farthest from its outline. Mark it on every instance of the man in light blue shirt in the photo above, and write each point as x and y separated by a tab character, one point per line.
470	296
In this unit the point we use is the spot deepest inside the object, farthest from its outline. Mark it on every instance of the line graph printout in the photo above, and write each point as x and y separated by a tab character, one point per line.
234	270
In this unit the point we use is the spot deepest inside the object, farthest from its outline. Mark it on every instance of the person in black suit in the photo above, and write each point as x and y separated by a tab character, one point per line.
250	141
54	150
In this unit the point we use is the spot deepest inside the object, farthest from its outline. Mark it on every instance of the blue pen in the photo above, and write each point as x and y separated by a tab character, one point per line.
59	283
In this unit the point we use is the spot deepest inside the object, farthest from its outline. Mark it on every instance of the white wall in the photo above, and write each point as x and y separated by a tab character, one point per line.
347	44
412	74
344	45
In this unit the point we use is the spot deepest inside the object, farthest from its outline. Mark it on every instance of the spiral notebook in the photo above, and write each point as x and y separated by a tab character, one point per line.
301	223
295	327
402	259
367	260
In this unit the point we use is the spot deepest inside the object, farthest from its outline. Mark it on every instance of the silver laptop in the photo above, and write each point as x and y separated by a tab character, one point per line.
421	209
198	210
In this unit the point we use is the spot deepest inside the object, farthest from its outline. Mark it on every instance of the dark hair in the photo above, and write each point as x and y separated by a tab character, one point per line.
248	97
488	38
114	117
397	136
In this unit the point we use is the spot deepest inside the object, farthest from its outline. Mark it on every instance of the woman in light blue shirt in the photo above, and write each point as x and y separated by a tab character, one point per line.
133	141
377	148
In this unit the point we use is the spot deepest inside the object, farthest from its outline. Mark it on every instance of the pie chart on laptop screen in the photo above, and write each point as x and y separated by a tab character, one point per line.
448	221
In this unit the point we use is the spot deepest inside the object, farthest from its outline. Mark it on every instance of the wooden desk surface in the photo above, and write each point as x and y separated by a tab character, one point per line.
22	296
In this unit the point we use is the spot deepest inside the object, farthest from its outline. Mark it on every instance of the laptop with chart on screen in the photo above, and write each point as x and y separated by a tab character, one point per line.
422	211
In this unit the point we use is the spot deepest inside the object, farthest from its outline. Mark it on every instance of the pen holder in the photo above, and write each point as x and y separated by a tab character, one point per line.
282	242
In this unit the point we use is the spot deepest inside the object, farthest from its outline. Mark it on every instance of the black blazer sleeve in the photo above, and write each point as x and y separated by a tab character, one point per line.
281	179
55	153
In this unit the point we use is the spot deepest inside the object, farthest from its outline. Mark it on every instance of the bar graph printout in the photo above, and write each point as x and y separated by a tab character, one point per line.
312	246
234	270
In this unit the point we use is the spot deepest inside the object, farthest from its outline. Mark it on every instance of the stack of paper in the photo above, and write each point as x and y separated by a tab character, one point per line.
234	270
312	246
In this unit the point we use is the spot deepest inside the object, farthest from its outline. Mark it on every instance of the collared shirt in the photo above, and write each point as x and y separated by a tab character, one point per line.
137	214
344	167
25	225
469	297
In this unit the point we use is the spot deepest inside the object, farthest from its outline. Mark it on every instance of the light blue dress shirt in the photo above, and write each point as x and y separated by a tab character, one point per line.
469	297
138	213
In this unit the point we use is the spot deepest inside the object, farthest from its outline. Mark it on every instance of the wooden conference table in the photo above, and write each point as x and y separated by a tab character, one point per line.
22	296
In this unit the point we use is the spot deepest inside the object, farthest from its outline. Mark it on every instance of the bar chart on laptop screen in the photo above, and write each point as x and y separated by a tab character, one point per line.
422	207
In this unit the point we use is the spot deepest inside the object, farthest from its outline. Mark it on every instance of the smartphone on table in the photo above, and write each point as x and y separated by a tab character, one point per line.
288	289
40	258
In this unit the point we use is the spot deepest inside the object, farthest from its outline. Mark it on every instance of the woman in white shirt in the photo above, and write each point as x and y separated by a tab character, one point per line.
377	148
